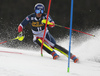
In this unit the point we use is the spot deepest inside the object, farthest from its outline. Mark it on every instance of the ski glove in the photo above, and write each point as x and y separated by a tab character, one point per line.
52	25
20	34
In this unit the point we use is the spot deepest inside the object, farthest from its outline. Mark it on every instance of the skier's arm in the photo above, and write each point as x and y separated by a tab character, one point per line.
20	28
23	24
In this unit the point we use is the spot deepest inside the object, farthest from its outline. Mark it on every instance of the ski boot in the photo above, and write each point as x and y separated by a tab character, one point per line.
74	58
55	56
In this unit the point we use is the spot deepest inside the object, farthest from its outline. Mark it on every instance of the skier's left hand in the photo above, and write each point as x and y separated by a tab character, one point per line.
52	25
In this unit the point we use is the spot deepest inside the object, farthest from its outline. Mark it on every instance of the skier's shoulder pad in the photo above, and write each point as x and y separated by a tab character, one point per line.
31	16
49	17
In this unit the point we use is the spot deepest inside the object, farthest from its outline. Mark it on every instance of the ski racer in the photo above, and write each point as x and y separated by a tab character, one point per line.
38	30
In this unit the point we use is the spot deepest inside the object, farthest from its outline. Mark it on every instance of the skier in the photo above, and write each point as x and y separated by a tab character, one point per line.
38	30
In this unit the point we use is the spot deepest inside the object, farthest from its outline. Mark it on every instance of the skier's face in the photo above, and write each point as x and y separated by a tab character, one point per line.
39	12
38	15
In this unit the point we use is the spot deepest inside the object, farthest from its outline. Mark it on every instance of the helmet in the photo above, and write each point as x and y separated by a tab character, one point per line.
39	8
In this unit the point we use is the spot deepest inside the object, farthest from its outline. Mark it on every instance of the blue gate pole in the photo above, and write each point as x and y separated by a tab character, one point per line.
71	20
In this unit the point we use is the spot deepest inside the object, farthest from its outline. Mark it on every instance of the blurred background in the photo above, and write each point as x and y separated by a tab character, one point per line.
86	17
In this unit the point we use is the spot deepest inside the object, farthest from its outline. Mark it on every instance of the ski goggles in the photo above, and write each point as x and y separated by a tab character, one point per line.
39	11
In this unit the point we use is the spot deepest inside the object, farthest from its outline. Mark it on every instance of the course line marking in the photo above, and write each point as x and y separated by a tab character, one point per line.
11	52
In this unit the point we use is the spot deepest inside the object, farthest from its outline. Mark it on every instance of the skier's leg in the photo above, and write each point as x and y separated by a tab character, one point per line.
51	41
47	48
65	52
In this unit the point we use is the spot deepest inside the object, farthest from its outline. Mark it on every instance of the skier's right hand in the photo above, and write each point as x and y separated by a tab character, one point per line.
20	29
20	34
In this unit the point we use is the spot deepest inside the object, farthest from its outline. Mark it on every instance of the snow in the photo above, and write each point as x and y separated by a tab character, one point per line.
20	62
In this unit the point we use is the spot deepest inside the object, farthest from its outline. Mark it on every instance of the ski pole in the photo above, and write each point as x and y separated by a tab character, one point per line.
44	21
75	30
17	38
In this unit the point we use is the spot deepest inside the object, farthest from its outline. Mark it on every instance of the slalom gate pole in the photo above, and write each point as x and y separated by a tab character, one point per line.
45	27
71	20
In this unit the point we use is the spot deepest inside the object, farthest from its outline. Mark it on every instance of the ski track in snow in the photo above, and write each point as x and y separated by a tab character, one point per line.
20	62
